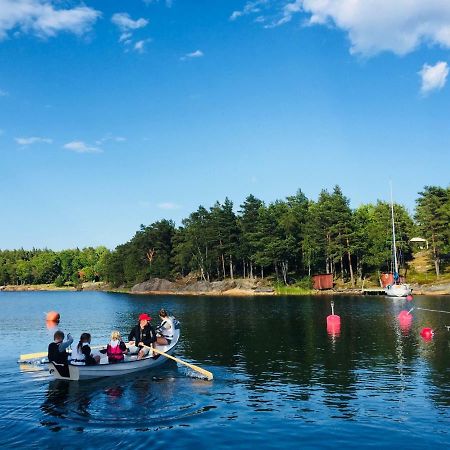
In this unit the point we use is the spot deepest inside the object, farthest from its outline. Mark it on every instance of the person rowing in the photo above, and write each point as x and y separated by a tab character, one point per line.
142	336
165	329
57	349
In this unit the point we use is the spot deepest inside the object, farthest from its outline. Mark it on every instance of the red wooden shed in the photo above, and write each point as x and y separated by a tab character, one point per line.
323	281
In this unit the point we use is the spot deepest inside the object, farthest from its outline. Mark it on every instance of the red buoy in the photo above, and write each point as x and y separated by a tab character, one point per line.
53	316
333	322
409	298
405	320
427	334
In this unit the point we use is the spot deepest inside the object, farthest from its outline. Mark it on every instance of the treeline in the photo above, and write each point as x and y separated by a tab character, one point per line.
287	240
67	267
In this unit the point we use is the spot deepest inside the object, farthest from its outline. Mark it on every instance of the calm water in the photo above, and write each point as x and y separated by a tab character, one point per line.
280	380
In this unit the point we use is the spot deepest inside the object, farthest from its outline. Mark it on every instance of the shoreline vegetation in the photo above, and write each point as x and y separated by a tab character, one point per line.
260	249
231	288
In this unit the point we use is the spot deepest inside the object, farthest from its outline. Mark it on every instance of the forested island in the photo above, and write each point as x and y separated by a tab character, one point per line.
283	243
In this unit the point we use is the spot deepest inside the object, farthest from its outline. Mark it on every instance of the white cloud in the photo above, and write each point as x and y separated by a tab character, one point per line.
81	147
288	12
3	93
374	26
124	37
139	46
110	137
126	23
168	206
192	55
127	26
43	18
433	77
251	7
33	140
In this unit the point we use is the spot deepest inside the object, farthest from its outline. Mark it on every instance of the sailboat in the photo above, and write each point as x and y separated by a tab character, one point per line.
397	288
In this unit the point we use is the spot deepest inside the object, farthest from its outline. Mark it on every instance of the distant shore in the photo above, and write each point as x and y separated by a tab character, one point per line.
231	288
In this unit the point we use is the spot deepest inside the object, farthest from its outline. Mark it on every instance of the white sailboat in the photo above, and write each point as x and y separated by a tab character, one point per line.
397	289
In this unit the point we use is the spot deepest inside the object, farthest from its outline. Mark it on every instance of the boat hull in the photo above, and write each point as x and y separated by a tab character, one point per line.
104	369
398	290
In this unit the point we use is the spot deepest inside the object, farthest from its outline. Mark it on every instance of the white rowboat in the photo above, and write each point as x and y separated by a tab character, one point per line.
130	365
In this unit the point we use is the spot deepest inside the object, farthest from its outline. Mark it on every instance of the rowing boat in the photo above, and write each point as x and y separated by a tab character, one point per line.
104	369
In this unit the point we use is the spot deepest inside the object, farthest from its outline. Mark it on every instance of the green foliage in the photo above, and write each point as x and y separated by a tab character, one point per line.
45	266
433	217
147	254
287	240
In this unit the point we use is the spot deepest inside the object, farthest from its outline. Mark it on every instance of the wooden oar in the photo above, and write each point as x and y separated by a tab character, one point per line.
204	372
28	356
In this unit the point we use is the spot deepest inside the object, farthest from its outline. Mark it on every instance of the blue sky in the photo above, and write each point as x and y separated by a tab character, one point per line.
116	113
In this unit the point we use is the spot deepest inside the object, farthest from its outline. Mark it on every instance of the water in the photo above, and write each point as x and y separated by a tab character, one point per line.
280	381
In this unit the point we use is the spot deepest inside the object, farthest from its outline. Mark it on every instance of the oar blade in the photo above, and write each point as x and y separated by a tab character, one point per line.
28	356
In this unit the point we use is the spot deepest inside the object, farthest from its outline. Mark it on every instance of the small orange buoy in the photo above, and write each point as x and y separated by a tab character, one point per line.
53	316
427	333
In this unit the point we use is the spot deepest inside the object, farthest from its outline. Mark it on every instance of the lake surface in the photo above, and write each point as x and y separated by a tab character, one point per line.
280	380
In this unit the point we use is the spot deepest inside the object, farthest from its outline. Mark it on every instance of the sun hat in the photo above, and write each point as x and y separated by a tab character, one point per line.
144	316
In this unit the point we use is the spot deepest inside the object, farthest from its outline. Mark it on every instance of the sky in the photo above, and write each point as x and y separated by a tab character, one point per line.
122	112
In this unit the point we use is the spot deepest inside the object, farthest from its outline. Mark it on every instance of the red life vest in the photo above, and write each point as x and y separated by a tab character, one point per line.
114	353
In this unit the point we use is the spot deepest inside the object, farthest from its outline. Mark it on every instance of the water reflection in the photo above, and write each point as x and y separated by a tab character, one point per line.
277	372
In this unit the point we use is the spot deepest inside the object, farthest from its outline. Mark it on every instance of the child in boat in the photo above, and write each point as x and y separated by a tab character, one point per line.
116	348
57	349
164	332
82	355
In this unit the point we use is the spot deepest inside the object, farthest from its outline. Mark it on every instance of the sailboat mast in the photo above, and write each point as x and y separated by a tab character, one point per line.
394	245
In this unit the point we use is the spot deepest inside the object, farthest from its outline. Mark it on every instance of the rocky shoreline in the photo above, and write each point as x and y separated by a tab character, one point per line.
237	288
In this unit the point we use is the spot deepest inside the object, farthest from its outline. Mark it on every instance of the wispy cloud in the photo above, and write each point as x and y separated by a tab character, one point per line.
288	12
3	93
169	3
139	46
33	140
192	55
126	23
110	138
81	147
372	26
433	77
127	26
385	25
43	18
251	7
168	206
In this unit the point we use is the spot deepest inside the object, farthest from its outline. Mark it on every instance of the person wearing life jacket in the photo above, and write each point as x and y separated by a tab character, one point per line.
165	329
141	337
116	348
82	355
57	349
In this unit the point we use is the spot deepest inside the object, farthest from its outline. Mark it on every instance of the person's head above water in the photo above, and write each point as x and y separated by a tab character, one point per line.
163	313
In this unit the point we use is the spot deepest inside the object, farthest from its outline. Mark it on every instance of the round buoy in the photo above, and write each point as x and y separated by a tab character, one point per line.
53	316
409	298
427	333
